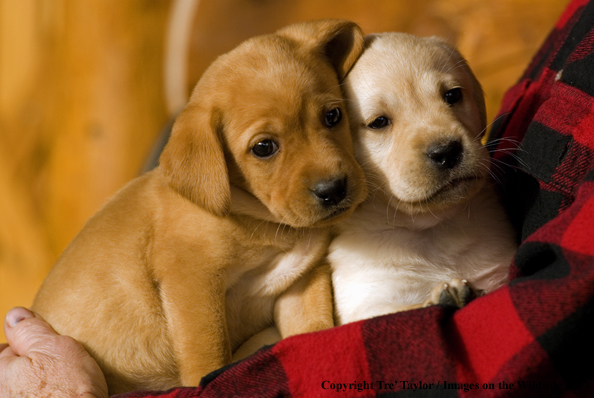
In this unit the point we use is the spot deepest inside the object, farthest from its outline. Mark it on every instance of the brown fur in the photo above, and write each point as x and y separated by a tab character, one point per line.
186	263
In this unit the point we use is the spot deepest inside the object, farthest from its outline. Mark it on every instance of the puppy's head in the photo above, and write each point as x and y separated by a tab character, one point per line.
418	115
269	118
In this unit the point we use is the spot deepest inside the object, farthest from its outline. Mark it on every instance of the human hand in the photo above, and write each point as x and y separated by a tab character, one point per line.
39	362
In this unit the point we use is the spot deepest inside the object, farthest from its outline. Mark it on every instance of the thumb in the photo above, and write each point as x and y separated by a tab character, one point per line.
24	329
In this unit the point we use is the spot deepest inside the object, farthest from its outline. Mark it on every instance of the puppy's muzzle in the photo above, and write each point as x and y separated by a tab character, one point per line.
445	156
330	193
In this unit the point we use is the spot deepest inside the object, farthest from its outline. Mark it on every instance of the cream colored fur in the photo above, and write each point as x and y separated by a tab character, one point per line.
190	260
423	229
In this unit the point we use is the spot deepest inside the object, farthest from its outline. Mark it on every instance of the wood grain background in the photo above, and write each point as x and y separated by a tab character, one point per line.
82	98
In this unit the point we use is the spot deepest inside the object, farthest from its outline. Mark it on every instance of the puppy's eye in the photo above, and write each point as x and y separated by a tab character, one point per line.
453	96
379	123
265	149
333	117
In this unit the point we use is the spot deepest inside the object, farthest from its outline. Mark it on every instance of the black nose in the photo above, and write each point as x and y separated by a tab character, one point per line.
446	156
330	192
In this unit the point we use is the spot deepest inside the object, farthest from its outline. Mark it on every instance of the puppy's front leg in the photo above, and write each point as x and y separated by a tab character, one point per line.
195	310
307	305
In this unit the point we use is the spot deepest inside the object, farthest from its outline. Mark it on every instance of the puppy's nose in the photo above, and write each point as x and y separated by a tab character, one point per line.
446	156
330	192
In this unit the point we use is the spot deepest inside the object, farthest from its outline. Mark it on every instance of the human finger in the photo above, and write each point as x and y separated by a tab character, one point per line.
24	330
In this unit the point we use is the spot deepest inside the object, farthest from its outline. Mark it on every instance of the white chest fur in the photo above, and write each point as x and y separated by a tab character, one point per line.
251	293
383	261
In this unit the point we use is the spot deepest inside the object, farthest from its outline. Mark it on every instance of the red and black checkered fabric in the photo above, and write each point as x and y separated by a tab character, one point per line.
532	338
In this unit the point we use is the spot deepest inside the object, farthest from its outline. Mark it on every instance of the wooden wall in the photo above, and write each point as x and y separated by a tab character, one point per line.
80	105
81	93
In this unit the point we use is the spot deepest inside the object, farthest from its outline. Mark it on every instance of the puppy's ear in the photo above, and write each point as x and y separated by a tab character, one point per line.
479	97
478	94
193	160
338	40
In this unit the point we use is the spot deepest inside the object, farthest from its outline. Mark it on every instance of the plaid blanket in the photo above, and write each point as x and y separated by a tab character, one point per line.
532	338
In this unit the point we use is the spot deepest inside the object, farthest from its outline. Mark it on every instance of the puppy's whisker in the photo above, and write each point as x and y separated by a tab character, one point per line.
507	139
520	161
498	141
332	89
388	209
396	212
509	152
434	51
431	211
413	214
278	227
487	164
264	221
461	63
515	148
492	173
491	166
309	238
376	187
483	131
496	162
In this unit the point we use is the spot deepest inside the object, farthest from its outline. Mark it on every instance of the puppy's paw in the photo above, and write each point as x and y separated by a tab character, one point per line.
455	293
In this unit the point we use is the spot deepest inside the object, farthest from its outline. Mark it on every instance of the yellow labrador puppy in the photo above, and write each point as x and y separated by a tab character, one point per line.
188	261
432	229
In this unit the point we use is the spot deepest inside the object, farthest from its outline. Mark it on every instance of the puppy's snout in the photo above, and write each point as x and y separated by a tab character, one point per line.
330	192
446	156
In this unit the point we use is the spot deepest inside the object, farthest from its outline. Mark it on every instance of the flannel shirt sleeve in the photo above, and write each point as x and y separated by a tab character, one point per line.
533	337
